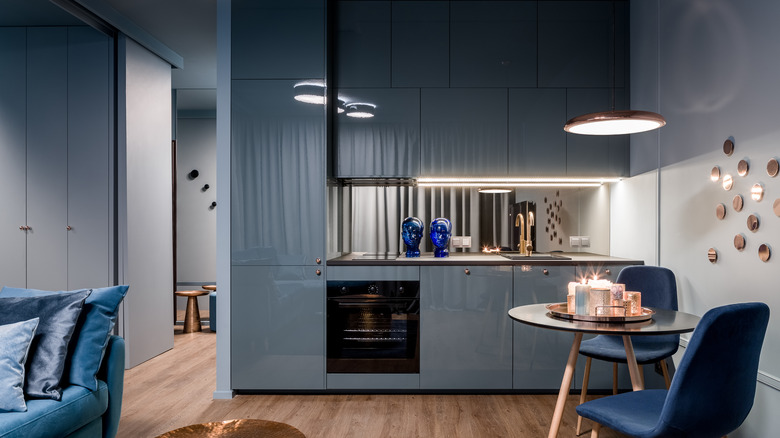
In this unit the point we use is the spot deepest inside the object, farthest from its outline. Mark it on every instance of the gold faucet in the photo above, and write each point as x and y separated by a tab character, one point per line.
520	223
529	245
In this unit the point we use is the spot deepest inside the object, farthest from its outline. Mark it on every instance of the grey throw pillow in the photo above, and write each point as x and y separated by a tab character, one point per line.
58	315
15	340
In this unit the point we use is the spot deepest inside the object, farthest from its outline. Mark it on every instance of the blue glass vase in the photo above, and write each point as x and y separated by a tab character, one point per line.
441	230
411	232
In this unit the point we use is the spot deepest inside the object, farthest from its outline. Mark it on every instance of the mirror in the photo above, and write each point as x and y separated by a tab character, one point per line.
776	207
739	242
743	167
757	192
772	167
728	182
752	223
728	147
712	255
764	253
715	174
737	203
720	211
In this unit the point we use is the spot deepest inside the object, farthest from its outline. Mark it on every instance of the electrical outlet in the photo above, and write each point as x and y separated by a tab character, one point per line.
461	241
585	240
574	241
466	242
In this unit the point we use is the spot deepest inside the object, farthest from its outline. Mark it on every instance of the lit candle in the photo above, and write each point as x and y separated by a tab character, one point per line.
601	284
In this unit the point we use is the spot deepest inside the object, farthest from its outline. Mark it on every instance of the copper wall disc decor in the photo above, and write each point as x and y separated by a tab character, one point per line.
715	174
772	167
776	207
743	167
712	255
757	192
720	211
737	203
728	182
739	242
764	253
728	147
752	223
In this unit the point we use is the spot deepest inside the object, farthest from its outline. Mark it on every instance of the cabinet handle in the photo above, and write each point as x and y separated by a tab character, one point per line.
467	271
608	272
545	272
25	228
68	228
318	272
22	227
318	260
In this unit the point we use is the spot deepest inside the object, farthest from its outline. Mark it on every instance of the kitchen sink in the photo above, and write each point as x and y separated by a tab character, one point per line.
540	256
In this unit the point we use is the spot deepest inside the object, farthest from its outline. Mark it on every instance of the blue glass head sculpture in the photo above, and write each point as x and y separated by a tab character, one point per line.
441	230
411	232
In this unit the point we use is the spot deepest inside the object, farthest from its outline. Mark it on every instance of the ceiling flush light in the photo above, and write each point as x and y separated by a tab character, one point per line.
360	110
310	92
614	122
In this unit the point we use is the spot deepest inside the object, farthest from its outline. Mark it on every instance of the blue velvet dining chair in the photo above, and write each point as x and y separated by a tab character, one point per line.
659	289
712	391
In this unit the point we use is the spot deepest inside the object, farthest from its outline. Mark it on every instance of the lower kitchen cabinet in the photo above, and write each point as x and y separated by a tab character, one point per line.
465	333
278	328
540	355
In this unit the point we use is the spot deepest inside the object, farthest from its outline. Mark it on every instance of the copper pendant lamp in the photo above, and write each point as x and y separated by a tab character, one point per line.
614	122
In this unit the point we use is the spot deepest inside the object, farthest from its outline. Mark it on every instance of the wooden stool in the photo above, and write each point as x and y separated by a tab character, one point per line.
192	314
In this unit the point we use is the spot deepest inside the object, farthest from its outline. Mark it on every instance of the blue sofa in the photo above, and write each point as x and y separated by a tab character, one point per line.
81	412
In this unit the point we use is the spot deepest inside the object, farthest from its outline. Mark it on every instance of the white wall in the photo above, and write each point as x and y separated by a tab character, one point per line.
145	201
711	67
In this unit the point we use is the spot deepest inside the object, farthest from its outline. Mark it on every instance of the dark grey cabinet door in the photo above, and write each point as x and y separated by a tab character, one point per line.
278	328
421	41
386	145
464	132
465	333
492	44
47	157
363	44
576	44
88	158
537	141
595	155
13	107
540	355
278	176
278	39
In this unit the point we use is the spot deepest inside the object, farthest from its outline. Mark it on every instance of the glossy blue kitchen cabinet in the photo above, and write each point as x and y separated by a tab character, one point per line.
537	141
595	155
278	39
278	328
492	44
464	132
562	24
386	145
540	355
363	44
465	333
421	40
278	176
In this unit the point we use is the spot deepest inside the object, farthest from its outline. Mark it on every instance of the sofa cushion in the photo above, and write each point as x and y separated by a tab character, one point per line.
48	418
95	325
15	340
58	315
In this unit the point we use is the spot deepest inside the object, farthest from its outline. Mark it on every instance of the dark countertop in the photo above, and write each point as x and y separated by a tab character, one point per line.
474	259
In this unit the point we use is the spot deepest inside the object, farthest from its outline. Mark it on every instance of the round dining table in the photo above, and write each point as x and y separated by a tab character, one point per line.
662	322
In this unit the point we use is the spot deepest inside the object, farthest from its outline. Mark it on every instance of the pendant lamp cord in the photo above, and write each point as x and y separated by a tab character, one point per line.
614	53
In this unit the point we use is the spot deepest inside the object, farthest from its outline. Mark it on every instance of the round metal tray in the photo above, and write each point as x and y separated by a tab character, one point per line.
558	310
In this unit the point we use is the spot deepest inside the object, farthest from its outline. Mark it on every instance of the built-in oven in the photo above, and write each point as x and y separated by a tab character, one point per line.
373	326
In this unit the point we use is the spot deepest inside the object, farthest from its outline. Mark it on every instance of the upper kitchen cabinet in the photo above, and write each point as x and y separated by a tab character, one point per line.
420	51
576	43
464	132
493	44
386	145
595	155
363	44
537	141
278	39
278	176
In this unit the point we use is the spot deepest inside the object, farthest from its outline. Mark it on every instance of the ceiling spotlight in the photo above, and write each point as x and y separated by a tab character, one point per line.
310	92
360	110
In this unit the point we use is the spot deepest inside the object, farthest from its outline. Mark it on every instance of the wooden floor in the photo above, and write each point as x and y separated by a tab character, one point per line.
175	390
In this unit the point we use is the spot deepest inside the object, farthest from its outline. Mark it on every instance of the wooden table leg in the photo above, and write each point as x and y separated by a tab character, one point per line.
633	367
566	384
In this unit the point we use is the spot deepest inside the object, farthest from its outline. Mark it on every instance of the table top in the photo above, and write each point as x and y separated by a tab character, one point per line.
664	322
191	293
244	428
209	286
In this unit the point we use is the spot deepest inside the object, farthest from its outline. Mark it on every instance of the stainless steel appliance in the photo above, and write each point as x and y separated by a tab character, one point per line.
373	326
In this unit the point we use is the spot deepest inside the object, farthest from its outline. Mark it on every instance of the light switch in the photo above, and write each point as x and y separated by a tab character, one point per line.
585	240
457	242
466	242
574	241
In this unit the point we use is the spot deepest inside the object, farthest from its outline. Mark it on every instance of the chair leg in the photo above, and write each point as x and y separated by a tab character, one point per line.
614	378
583	393
642	374
594	433
665	371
